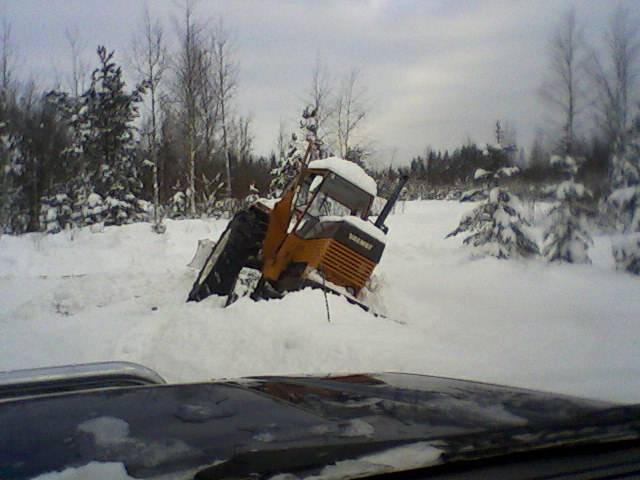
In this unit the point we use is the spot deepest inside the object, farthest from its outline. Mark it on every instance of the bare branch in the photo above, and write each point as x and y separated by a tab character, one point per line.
149	61
227	83
349	111
319	97
78	65
7	56
564	87
187	69
614	74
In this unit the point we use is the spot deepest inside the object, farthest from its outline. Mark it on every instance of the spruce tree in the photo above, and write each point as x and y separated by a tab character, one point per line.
626	253
567	238
624	201
55	213
178	204
288	167
7	152
88	206
14	219
104	142
291	164
496	227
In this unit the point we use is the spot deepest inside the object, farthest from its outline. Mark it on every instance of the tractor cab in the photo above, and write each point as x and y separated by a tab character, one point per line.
326	193
328	233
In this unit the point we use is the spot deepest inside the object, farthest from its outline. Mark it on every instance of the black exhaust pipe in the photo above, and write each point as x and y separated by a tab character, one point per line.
390	203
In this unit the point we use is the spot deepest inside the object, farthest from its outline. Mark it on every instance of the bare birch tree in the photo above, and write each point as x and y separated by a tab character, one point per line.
187	68
226	85
150	62
208	101
281	142
319	97
564	87
6	71
78	65
7	56
350	111
615	74
244	139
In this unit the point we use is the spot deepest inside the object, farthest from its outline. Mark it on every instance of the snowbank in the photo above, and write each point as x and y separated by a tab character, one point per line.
120	295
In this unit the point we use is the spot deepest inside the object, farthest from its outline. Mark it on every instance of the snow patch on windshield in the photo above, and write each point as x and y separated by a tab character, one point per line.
357	428
349	171
407	457
105	471
113	434
106	431
264	437
353	428
113	471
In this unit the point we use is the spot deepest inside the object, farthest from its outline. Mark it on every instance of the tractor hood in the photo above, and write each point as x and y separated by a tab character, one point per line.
353	232
369	423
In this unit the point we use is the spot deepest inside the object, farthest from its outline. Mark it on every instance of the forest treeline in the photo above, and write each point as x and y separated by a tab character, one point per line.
173	143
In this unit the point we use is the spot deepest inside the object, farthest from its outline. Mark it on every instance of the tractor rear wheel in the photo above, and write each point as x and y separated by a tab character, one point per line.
238	244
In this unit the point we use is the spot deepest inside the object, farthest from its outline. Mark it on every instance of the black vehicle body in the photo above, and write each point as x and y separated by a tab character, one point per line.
303	425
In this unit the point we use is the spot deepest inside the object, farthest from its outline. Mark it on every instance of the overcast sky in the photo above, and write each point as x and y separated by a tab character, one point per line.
436	72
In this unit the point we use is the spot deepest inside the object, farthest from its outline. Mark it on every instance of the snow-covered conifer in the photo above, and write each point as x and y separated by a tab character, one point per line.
567	237
121	206
485	180
94	208
178	205
104	143
6	178
13	218
623	203
482	175
626	253
290	165
624	200
497	228
55	213
88	206
212	192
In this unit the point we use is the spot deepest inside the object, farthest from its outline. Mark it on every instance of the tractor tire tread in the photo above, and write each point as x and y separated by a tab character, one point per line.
246	234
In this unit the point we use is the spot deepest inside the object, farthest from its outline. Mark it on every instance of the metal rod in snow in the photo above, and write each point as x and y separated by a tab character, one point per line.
326	299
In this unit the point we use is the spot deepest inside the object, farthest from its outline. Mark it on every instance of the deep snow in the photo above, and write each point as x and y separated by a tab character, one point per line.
120	295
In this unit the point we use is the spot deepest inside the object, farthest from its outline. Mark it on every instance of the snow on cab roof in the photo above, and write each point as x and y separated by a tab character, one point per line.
349	171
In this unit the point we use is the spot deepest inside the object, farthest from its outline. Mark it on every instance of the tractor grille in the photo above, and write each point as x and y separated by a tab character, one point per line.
345	267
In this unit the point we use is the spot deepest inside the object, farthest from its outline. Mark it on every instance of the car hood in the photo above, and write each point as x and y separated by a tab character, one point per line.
303	425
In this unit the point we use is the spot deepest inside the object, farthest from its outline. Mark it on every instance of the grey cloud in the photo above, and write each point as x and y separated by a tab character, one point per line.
437	72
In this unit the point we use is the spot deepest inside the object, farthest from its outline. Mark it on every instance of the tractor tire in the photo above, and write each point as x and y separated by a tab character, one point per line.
238	245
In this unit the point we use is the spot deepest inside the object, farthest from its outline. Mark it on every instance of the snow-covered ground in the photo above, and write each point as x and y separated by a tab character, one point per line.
120	295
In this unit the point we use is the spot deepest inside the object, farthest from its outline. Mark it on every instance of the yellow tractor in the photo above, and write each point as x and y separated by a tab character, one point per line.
317	234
